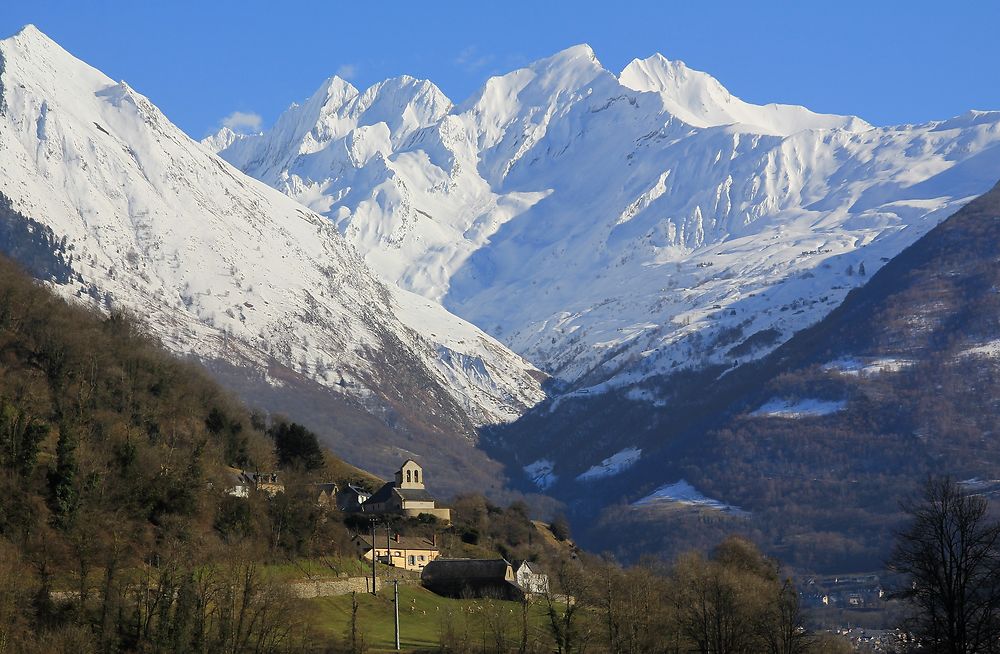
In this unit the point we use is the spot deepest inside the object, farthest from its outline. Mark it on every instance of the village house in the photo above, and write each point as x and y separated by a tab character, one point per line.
855	591
242	482
406	496
530	577
472	578
326	495
352	498
407	552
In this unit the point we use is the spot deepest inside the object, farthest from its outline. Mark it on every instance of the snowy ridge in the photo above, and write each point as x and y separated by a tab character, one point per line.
701	101
220	265
609	228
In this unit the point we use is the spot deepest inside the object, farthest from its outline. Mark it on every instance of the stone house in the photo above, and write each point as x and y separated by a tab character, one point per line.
407	552
529	576
326	495
406	496
242	482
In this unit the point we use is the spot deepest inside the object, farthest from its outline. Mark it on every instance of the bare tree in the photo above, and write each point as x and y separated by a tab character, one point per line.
950	554
781	623
569	631
355	639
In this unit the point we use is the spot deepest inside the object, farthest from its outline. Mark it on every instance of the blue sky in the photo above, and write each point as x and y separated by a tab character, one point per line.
889	62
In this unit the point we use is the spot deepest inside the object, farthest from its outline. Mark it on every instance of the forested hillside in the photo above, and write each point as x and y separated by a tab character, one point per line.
116	532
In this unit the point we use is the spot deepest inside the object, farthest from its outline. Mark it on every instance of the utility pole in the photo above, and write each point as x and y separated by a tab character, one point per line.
388	543
395	604
374	555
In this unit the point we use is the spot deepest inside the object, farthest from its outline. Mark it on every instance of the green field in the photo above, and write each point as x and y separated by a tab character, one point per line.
424	617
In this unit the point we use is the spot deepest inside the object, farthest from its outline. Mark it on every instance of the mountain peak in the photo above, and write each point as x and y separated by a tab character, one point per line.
335	91
574	59
403	103
221	140
37	61
30	33
31	40
657	73
578	51
700	100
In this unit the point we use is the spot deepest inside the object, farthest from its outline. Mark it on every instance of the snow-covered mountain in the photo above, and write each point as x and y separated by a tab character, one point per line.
612	227
222	266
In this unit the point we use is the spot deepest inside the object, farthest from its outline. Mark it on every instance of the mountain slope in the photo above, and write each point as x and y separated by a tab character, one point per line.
115	465
225	268
816	444
613	228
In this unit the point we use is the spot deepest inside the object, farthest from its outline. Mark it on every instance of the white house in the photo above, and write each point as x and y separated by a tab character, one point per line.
530	577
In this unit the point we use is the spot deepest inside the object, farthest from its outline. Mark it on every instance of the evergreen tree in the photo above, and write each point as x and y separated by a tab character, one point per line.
64	497
296	446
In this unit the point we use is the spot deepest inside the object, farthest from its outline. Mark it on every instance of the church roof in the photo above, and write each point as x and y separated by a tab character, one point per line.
412	494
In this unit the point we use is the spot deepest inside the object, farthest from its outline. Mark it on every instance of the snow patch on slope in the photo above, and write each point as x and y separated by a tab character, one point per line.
987	350
684	494
541	473
867	366
802	408
611	466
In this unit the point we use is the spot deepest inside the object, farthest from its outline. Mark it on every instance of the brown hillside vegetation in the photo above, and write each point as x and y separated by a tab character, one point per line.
116	532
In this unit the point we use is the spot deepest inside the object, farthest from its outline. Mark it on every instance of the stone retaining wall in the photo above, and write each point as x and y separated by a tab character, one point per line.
331	587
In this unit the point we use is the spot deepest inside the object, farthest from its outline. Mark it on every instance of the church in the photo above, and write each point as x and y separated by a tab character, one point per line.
406	495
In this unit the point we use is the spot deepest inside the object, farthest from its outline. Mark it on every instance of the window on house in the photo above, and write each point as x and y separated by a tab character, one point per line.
408	476
421	557
413	559
416	475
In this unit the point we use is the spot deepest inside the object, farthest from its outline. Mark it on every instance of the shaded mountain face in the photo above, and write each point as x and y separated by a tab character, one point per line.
616	228
109	202
811	448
